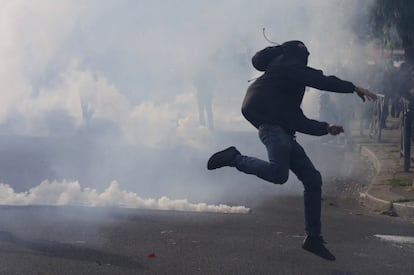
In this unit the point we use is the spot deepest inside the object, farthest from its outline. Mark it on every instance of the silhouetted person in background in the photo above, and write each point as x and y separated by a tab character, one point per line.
327	111
205	83
327	108
399	82
407	88
388	89
272	104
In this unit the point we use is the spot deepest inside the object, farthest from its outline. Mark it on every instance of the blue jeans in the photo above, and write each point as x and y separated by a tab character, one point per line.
285	153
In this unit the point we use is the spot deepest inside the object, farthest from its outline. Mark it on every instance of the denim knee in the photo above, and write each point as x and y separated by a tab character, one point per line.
277	176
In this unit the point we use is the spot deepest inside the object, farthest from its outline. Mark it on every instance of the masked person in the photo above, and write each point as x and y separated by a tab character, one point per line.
272	104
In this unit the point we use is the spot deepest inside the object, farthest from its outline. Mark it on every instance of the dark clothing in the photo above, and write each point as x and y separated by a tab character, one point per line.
273	105
276	96
285	153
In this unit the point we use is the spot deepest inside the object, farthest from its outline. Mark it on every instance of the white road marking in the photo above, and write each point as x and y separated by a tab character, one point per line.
73	242
396	239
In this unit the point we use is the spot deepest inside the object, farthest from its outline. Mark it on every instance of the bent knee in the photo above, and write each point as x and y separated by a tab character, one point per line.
279	178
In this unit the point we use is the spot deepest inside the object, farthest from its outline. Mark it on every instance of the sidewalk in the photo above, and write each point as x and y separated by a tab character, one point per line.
391	190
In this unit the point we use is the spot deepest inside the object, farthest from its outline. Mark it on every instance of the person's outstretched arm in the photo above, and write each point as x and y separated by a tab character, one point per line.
316	79
317	128
364	93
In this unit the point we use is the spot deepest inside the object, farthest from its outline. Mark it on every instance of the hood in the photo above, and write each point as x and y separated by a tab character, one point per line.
296	51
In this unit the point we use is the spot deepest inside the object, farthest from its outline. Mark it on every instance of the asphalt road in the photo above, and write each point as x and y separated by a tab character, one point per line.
81	240
78	240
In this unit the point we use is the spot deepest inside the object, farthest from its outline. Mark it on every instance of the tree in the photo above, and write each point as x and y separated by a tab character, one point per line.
392	22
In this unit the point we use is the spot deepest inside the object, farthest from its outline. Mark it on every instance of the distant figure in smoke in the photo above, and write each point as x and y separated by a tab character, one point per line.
388	86
327	111
327	108
272	104
205	83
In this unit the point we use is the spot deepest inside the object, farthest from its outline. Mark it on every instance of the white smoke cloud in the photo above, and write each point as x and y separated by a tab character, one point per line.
71	193
132	62
112	83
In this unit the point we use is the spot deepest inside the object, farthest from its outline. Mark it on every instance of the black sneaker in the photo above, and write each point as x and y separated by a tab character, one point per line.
316	246
223	158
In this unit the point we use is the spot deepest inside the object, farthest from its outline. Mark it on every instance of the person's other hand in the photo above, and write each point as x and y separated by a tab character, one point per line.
364	93
335	129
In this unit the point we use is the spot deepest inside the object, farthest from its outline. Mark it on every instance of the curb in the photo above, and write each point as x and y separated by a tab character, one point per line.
404	210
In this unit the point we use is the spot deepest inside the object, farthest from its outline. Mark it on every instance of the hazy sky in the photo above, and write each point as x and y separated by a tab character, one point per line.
125	69
132	63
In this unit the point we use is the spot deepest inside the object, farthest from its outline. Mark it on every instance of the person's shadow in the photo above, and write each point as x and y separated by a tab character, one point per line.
70	251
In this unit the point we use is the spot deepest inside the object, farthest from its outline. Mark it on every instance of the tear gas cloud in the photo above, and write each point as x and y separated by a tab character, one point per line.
71	193
96	91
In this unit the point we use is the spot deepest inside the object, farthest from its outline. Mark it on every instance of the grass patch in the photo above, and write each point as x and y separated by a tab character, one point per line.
404	200
401	182
390	211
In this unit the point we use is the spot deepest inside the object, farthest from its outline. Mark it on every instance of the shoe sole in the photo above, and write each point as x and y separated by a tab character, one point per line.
210	160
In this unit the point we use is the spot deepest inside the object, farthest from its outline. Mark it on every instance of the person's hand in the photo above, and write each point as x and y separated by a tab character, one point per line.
335	129
364	93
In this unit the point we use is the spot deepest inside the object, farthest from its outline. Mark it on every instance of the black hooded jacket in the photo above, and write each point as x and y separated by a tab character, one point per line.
276	96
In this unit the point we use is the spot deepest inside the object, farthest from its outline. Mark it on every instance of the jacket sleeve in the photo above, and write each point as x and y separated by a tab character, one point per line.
316	79
311	127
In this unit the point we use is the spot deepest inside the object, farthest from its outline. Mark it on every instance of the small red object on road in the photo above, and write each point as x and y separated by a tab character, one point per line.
152	256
